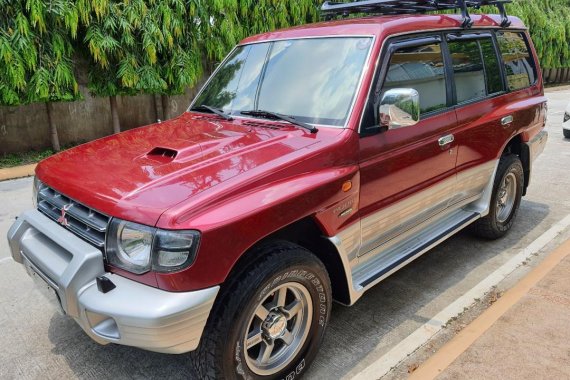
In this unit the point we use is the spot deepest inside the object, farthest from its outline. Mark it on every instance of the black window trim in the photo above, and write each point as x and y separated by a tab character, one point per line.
392	44
415	39
470	36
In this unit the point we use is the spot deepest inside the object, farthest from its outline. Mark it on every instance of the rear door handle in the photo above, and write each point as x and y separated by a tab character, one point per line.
507	120
446	140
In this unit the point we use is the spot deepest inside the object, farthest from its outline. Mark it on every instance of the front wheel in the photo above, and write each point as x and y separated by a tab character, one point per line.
505	200
566	133
270	321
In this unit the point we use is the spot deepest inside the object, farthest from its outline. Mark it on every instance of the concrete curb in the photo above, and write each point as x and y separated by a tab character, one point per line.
17	172
557	88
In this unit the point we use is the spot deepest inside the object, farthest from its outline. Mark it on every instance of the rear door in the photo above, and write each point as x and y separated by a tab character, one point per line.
407	176
488	107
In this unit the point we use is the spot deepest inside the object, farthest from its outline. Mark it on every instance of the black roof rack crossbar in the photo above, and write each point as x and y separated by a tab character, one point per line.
331	9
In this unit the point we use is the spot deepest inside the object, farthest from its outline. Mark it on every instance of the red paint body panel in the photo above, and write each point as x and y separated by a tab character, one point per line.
237	184
400	162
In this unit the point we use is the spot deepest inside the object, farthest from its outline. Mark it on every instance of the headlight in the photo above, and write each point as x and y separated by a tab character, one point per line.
138	248
566	117
37	187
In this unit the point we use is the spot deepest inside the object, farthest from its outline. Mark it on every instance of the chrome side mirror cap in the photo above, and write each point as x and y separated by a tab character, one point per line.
399	107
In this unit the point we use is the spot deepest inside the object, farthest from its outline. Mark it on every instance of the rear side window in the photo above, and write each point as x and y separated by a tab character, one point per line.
421	68
468	71
492	69
519	65
476	69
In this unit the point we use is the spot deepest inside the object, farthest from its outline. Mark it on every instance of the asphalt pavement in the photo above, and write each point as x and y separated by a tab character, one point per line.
37	342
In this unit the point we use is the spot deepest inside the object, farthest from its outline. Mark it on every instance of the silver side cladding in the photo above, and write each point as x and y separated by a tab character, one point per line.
131	314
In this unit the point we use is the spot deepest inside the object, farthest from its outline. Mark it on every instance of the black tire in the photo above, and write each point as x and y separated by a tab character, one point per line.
491	226
221	352
566	133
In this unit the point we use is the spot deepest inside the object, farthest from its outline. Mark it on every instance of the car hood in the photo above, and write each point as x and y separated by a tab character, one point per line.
138	174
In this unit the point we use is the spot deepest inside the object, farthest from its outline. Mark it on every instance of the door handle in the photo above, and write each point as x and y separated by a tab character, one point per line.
446	140
507	120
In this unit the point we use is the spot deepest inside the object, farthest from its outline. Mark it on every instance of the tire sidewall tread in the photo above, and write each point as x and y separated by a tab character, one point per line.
489	227
218	355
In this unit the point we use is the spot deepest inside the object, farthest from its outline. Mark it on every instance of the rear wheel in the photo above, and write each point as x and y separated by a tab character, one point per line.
505	201
269	321
566	133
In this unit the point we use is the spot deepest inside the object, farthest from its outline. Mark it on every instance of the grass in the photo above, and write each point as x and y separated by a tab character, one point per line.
17	159
31	157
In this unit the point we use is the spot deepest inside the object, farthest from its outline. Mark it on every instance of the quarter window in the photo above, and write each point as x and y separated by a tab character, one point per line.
519	65
420	68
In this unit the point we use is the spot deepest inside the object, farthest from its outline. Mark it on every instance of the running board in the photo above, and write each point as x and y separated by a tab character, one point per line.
383	264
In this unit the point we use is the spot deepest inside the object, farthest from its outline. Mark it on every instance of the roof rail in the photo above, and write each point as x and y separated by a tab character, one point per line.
332	9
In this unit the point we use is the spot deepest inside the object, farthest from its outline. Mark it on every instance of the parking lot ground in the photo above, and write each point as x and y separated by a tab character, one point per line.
36	342
523	335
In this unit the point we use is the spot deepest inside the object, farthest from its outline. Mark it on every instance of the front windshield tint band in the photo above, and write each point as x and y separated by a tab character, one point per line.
314	80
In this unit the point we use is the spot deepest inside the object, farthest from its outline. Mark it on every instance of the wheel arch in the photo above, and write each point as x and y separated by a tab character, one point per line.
307	234
518	147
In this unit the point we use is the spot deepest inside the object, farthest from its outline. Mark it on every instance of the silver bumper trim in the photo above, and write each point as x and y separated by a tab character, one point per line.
132	314
537	145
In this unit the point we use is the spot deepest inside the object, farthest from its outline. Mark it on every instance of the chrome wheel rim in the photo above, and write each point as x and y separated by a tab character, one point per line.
506	197
278	328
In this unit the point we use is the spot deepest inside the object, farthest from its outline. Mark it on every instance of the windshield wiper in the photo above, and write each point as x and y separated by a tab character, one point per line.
278	116
218	112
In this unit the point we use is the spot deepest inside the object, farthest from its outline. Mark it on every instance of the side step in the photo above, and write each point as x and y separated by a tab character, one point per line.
384	263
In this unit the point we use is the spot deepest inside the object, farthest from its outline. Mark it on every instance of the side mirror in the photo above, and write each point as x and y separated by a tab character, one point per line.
399	107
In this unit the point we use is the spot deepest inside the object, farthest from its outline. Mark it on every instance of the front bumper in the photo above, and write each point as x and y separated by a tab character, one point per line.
132	314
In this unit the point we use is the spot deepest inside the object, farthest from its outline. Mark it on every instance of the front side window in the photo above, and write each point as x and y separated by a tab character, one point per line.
476	69
519	64
421	68
313	80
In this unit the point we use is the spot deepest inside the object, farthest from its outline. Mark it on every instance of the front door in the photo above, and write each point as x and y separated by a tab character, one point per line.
408	174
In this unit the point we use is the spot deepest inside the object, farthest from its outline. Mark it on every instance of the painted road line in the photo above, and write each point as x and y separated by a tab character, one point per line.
462	341
422	335
5	259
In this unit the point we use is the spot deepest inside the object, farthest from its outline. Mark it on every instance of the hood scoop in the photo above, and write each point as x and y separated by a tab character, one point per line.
162	155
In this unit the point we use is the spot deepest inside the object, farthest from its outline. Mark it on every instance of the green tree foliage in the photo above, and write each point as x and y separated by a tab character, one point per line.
549	25
140	46
223	23
165	46
548	22
36	53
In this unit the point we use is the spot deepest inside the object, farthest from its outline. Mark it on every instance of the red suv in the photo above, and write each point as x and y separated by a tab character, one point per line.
314	163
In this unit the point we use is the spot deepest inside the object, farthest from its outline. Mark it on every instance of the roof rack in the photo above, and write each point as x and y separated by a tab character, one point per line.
332	9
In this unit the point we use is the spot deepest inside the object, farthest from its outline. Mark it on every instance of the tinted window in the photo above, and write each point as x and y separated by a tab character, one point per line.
476	69
420	68
492	69
314	80
519	65
468	70
235	84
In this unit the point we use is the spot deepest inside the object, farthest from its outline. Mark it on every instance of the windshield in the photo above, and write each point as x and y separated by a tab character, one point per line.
312	80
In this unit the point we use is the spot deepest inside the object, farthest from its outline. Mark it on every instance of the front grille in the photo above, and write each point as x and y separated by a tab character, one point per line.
86	223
